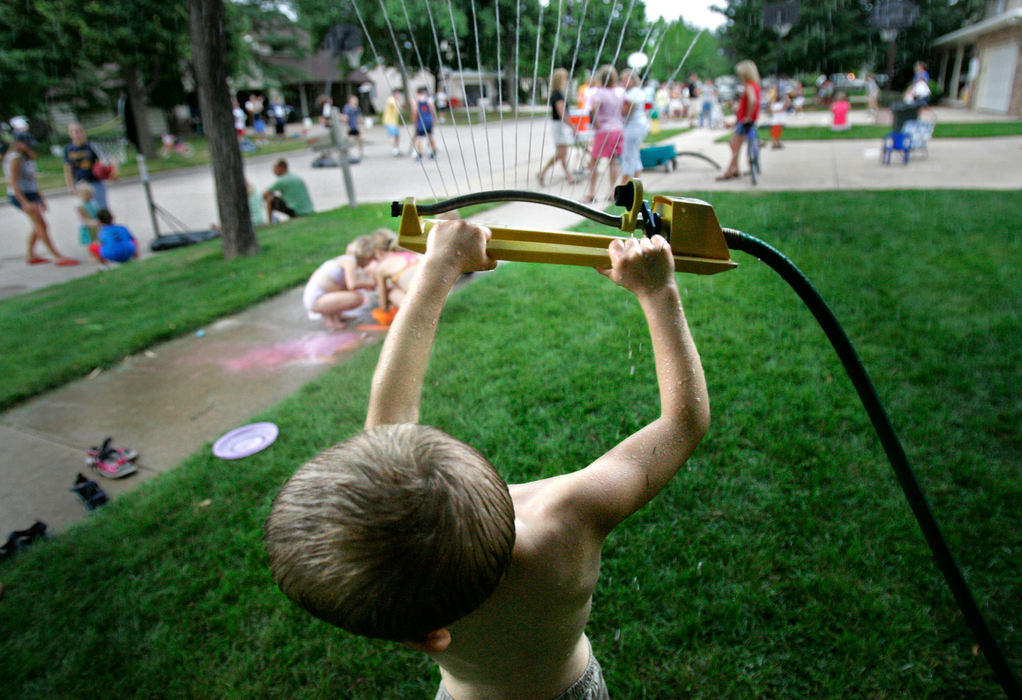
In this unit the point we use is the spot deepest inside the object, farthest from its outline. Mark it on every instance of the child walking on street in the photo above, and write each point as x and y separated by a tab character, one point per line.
779	106
423	114
405	533
353	115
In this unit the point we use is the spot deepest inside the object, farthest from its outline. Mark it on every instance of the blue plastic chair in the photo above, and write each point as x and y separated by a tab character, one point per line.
896	141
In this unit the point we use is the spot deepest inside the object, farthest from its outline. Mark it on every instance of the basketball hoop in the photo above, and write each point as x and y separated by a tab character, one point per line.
781	16
354	56
893	15
111	150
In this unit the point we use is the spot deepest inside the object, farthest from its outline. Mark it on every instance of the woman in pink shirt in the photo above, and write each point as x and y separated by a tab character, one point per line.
747	113
608	124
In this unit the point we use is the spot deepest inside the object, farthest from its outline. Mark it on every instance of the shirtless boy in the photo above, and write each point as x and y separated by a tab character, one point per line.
404	533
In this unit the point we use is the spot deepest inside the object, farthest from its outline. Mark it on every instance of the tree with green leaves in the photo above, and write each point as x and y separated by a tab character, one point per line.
32	62
209	49
144	39
836	35
669	51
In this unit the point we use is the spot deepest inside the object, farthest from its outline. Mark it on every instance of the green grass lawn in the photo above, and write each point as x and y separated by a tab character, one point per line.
877	131
781	562
665	134
99	319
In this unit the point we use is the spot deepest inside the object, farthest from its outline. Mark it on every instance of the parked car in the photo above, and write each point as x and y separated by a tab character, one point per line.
728	88
847	81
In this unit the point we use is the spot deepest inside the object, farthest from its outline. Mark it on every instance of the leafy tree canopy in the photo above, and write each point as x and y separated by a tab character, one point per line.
836	36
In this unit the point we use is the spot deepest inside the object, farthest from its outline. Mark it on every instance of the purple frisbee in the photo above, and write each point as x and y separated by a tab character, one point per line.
245	441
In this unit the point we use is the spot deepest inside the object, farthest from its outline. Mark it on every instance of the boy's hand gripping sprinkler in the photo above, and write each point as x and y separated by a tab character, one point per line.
689	225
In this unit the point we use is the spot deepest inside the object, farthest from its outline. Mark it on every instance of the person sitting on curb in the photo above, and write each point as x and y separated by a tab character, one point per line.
288	194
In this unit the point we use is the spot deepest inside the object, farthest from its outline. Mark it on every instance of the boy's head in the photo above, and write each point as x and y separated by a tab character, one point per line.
395	533
104	217
84	190
353	100
76	133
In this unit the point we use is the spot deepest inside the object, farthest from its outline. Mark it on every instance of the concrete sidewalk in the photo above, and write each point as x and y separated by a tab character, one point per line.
177	396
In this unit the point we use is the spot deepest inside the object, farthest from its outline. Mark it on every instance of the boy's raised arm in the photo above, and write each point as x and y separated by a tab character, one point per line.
632	473
452	248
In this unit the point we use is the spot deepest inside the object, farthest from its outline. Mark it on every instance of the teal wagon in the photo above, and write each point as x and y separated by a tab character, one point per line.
655	156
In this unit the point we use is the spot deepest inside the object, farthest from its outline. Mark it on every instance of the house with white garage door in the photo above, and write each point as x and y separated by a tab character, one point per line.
980	64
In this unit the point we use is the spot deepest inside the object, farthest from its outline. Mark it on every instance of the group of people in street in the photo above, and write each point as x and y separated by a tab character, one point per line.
85	174
424	113
258	113
619	112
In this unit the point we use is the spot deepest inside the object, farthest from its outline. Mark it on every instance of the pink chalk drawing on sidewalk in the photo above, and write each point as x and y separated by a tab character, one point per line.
314	348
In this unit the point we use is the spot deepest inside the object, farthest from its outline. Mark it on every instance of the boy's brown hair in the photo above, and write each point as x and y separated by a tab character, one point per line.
394	533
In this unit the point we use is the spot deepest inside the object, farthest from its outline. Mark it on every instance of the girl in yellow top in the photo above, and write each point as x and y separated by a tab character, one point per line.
391	118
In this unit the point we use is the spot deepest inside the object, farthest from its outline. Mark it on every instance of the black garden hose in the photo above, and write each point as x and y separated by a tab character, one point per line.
551	200
737	240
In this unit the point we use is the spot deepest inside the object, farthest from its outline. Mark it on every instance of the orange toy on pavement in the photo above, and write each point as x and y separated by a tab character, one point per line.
385	318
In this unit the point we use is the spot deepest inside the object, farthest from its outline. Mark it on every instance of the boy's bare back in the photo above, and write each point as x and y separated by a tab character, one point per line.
528	639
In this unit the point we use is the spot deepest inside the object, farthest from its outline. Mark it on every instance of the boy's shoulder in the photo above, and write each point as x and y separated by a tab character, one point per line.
115	231
549	515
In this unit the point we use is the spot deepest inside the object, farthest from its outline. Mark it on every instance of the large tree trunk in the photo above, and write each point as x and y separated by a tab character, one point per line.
139	108
206	27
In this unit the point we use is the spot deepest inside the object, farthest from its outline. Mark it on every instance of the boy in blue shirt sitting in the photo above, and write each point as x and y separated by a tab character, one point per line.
115	244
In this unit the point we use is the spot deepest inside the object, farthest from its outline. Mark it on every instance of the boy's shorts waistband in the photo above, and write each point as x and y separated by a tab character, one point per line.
589	686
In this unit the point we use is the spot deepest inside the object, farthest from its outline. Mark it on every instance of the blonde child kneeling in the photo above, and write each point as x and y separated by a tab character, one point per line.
334	290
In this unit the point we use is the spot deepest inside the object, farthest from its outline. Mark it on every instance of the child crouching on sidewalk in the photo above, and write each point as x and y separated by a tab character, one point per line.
403	532
335	289
115	244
